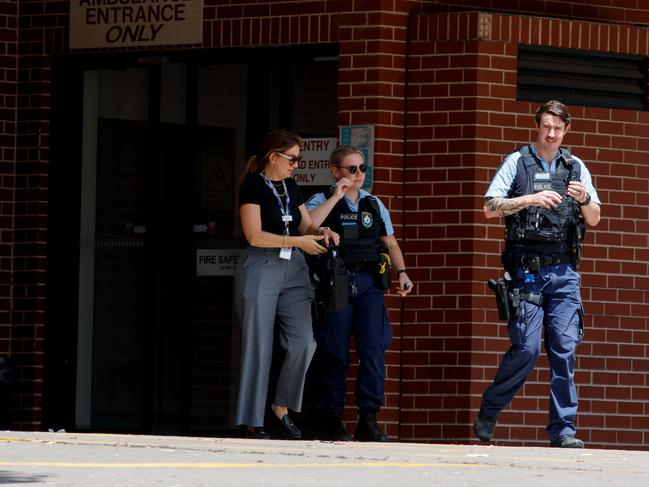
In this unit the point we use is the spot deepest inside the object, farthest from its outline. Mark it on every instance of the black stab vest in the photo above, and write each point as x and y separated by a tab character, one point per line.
359	231
546	230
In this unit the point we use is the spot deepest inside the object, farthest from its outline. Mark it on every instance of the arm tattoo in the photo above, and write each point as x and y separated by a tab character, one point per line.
504	206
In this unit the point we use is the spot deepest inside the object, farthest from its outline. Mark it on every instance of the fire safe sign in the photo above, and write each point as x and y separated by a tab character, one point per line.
217	262
130	23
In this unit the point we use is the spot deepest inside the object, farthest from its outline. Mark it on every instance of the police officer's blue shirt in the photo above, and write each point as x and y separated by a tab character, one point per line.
504	178
319	198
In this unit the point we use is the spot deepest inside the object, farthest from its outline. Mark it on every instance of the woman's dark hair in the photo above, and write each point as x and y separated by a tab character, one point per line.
553	107
342	151
277	140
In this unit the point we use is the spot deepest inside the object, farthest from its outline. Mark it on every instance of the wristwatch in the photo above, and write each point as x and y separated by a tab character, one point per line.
586	201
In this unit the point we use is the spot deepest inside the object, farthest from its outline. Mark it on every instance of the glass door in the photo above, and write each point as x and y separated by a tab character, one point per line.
112	272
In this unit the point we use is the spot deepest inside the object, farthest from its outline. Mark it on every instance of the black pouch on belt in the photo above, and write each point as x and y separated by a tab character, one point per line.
339	284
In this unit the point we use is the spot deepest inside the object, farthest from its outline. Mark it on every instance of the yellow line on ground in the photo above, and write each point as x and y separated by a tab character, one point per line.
203	465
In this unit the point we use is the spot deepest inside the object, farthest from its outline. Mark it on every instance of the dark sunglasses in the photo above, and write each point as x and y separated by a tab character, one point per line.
353	169
293	159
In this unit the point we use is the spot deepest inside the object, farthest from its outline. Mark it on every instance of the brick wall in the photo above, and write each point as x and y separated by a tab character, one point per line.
462	117
39	34
245	23
619	12
462	99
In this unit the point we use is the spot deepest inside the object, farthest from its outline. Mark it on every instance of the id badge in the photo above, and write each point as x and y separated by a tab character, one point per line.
285	253
287	218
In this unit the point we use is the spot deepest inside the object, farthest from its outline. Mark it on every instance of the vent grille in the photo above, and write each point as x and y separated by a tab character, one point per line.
578	77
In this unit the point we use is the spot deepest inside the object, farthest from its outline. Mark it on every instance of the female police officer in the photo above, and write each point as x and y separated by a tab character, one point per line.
272	283
366	234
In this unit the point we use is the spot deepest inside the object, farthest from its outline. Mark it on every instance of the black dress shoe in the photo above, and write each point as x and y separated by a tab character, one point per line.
257	433
567	441
287	426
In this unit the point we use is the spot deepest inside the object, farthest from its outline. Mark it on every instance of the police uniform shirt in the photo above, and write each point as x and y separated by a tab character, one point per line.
319	198
505	179
254	190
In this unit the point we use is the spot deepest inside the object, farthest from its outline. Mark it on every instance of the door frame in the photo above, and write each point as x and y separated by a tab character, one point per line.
62	280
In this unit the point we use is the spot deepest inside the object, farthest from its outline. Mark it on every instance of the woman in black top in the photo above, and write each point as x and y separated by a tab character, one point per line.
272	283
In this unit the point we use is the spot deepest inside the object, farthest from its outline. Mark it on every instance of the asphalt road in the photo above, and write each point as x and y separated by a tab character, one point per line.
70	459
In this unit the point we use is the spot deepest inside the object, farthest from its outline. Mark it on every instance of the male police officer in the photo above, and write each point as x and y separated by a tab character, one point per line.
367	246
545	194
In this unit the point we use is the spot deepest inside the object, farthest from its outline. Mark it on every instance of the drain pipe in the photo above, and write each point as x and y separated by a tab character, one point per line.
403	207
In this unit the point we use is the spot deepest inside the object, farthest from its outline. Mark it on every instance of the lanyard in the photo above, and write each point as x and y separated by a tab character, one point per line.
286	212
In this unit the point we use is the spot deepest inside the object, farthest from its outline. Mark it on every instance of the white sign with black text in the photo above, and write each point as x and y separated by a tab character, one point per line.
217	262
314	168
131	23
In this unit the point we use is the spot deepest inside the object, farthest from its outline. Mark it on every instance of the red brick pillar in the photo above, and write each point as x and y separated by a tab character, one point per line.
39	33
443	88
371	91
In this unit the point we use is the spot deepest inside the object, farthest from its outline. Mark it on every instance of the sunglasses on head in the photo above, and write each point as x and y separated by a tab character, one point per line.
292	159
354	169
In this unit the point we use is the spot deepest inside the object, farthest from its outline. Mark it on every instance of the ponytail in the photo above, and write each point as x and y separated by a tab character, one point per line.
252	166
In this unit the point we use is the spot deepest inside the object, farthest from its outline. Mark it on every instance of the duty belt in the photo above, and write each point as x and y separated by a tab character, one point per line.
533	262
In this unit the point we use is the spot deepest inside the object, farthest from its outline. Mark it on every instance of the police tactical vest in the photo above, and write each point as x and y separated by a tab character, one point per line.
536	223
359	231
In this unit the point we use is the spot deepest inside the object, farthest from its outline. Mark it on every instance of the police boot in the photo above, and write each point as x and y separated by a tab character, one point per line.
336	427
484	426
367	428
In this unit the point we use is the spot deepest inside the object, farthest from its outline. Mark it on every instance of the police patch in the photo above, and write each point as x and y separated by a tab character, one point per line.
366	219
542	181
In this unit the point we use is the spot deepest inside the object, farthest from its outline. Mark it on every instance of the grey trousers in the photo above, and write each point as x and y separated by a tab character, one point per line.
268	289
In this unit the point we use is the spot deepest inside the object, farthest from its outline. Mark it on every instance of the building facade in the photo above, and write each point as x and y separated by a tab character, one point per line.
119	168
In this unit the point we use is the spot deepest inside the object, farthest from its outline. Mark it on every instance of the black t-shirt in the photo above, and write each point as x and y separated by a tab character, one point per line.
254	190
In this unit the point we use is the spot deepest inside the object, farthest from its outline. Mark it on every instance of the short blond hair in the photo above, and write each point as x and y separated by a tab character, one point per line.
342	151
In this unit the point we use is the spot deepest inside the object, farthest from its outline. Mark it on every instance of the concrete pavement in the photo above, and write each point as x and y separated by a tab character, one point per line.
102	460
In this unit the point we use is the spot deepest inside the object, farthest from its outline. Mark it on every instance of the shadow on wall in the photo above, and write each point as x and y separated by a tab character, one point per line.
6	381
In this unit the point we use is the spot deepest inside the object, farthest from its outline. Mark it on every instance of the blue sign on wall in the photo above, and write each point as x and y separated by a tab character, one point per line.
361	137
